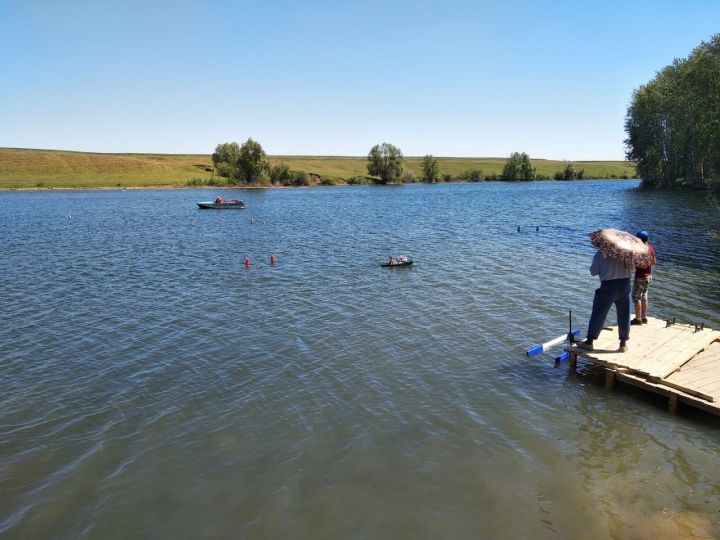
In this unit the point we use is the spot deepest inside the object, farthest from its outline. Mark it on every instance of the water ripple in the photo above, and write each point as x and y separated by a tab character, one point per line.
149	378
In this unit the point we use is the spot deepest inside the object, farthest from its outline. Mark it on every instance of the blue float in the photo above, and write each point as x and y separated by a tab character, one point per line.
537	349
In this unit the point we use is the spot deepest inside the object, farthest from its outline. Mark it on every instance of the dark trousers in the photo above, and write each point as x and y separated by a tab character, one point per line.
612	291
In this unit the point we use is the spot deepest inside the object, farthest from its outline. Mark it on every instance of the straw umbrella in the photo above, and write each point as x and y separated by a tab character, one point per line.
621	245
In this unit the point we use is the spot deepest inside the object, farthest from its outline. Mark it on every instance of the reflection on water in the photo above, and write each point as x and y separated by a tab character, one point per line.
155	387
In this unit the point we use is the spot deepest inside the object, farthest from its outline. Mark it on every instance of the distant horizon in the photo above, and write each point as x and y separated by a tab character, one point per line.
461	78
359	156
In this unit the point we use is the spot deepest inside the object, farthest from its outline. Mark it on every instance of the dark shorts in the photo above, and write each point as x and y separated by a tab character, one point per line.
640	288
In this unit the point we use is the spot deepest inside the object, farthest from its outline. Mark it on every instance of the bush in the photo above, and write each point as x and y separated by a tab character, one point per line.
263	178
357	180
196	182
408	177
280	173
472	175
447	177
327	181
300	178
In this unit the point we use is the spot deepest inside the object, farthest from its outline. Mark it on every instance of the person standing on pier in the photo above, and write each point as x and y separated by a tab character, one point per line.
614	289
643	277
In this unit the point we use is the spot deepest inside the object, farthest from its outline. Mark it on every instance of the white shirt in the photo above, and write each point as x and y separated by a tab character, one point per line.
608	268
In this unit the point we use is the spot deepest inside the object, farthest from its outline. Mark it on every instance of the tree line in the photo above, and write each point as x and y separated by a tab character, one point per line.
248	164
673	122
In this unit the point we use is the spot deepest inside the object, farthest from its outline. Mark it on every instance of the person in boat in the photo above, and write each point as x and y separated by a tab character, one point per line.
643	277
219	200
403	258
614	289
391	261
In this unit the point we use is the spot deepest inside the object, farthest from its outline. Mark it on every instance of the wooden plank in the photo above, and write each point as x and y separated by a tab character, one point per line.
676	361
692	373
696	382
666	366
609	379
712	388
676	353
672	345
698	341
640	382
692	391
697	374
706	358
643	350
605	351
701	379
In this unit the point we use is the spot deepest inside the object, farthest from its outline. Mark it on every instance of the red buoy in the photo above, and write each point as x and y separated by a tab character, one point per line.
247	261
272	259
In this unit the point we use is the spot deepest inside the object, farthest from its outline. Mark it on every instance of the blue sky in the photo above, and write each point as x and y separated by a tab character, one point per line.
451	78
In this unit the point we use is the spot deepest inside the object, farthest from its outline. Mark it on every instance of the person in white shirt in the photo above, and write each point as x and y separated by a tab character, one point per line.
614	289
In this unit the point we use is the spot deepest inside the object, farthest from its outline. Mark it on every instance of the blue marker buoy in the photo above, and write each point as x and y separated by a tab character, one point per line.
537	349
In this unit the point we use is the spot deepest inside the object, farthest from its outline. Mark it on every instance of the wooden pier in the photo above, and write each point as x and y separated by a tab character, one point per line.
680	361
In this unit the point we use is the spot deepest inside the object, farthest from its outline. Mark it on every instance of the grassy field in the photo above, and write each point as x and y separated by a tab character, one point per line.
27	169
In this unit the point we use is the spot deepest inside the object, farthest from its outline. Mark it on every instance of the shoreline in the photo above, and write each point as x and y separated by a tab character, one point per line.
52	169
140	188
274	186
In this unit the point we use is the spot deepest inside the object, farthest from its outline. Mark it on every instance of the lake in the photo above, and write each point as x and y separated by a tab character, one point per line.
154	387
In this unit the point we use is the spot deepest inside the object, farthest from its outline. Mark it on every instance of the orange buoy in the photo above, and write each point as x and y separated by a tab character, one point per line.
272	259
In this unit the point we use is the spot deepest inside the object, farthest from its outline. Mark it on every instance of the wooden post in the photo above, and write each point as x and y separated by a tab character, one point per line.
609	379
672	404
573	362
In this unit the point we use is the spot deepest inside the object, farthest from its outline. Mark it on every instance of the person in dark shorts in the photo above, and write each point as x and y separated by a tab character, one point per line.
643	277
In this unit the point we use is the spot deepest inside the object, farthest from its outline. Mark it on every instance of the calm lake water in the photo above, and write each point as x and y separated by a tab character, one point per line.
153	387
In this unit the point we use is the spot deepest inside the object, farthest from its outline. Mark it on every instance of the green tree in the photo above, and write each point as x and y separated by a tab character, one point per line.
518	167
673	122
431	169
386	162
225	159
252	162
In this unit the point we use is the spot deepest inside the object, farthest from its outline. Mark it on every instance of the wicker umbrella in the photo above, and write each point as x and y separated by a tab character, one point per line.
621	245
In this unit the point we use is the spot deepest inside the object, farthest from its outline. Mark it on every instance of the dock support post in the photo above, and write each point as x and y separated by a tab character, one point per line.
609	379
573	362
672	404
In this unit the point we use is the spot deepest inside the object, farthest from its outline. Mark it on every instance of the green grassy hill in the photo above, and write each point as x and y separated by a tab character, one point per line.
24	169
